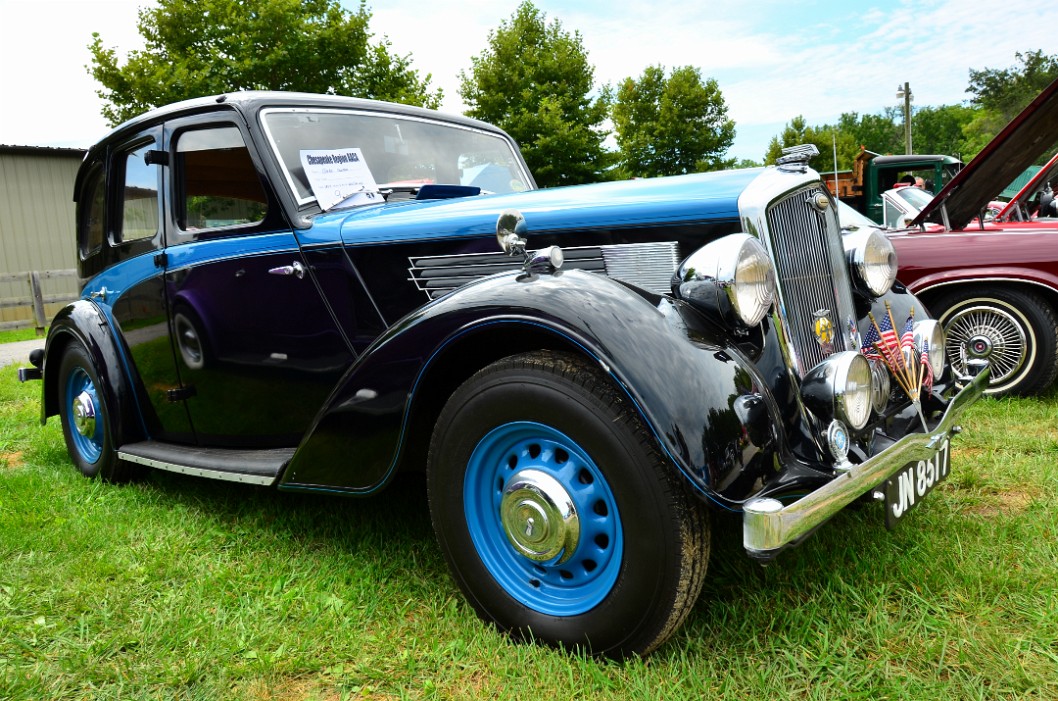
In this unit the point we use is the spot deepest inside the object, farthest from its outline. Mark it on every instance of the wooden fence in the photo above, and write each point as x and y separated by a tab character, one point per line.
36	299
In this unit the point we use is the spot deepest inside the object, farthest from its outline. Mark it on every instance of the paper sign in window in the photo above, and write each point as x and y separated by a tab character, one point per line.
339	177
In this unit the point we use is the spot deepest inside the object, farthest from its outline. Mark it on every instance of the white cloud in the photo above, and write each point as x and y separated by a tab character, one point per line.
49	97
773	59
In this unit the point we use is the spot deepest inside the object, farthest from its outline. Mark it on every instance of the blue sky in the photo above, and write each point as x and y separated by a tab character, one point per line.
772	60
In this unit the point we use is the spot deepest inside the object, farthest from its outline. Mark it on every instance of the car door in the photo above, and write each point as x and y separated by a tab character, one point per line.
121	241
257	350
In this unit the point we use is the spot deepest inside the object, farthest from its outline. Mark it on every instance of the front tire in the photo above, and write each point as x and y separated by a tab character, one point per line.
1014	330
558	517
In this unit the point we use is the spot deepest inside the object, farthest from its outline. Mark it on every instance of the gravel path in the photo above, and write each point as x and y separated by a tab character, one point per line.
17	353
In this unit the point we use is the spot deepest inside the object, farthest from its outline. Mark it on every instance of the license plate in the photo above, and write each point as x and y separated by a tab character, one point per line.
907	488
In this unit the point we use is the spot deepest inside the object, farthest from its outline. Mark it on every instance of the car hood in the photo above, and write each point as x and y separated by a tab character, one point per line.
1028	136
686	199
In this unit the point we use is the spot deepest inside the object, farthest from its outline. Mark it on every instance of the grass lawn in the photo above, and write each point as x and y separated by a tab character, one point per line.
180	588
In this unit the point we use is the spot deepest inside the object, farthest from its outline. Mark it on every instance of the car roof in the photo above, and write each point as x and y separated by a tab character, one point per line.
250	101
913	159
1024	140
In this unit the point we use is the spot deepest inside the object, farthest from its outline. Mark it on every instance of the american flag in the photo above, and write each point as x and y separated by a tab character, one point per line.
869	348
907	339
884	346
927	378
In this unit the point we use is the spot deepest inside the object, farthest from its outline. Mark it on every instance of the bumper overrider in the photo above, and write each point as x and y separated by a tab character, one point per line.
768	526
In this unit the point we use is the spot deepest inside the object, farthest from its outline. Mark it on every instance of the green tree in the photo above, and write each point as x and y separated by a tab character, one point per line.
673	125
534	81
880	133
203	47
1001	93
940	129
825	137
1006	91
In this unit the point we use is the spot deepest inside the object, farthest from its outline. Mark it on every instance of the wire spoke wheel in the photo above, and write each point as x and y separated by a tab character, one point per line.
1014	330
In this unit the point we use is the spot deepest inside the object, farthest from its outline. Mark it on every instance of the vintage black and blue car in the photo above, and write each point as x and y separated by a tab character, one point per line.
315	293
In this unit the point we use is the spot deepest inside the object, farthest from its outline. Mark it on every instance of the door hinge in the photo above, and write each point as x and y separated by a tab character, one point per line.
179	394
161	260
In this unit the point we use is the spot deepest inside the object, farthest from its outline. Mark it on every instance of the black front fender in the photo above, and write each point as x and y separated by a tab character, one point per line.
701	397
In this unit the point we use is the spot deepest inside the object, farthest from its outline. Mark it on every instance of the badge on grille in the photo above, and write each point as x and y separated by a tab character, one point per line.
824	330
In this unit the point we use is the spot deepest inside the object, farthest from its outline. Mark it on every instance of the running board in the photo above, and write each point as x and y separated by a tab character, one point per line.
261	467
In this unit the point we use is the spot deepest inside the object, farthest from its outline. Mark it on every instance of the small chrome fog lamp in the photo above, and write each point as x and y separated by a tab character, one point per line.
930	339
732	277
840	388
872	260
880	386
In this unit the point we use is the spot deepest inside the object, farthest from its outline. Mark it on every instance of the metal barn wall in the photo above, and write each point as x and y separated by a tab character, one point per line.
36	223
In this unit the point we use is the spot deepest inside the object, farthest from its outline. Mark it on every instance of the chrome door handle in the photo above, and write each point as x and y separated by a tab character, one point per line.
296	269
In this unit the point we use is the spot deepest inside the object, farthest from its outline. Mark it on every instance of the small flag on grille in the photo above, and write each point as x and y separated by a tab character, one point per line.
927	369
908	365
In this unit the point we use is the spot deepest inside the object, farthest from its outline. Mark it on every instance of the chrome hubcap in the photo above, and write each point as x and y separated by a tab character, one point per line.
979	347
988	332
84	414
539	517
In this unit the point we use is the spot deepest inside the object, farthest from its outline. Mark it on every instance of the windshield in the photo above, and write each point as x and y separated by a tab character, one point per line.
917	198
344	158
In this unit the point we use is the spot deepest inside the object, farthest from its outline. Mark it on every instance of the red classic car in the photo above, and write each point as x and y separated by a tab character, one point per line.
992	284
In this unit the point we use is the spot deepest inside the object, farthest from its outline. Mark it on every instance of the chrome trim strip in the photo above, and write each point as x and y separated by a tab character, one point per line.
649	265
261	480
975	280
768	526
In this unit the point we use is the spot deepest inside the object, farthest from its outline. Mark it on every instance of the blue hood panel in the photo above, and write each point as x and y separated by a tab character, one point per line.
687	199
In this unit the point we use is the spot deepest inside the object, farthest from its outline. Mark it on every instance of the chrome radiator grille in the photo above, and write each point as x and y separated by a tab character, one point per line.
813	279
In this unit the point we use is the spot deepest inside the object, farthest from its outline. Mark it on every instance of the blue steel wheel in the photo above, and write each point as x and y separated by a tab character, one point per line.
542	518
558	518
85	416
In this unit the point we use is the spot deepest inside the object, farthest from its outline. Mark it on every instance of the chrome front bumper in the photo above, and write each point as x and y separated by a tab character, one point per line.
768	526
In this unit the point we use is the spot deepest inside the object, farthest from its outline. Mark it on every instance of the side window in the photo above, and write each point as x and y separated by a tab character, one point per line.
892	215
92	211
139	209
216	182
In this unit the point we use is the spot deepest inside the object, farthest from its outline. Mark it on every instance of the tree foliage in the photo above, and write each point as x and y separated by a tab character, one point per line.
673	125
797	132
1001	93
1006	91
534	81
943	130
935	130
204	47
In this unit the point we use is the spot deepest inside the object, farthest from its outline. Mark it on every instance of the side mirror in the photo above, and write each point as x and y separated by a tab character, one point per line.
510	232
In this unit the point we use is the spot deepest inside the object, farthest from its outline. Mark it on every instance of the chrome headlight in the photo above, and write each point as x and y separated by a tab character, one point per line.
872	260
840	388
732	277
930	339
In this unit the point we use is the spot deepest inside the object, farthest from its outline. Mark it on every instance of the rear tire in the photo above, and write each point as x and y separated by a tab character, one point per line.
617	571
87	426
1015	330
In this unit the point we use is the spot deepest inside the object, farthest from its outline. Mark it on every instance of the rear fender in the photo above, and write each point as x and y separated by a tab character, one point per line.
82	322
702	399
